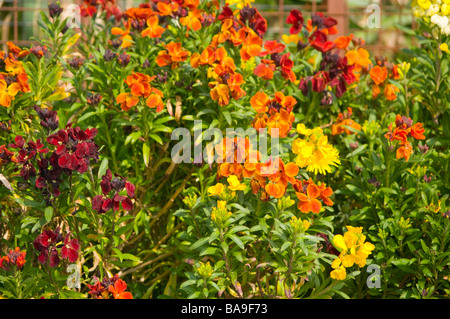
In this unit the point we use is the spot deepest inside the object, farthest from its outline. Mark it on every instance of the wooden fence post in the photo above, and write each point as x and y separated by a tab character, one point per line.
338	9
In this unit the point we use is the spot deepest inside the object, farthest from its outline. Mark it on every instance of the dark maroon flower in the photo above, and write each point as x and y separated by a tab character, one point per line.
296	19
123	59
109	55
54	9
49	119
94	99
75	62
107	201
70	249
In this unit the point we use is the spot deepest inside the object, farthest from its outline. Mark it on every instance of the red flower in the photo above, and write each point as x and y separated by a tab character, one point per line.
70	249
319	41
296	19
118	290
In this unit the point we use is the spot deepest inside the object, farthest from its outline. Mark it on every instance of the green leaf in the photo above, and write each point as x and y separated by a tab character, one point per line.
199	243
237	241
146	153
48	213
103	167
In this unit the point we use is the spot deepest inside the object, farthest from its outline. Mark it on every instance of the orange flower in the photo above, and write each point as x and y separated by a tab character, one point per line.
153	30
265	70
275	190
343	41
173	54
308	202
207	57
8	92
165	9
404	151
417	131
192	20
378	74
127	40
220	93
126	101
154	100
359	58
251	47
260	102
118	290
390	92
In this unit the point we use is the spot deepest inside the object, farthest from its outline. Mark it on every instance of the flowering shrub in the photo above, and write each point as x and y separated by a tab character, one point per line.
327	176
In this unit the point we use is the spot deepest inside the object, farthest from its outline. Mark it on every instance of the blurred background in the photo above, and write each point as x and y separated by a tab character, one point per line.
18	19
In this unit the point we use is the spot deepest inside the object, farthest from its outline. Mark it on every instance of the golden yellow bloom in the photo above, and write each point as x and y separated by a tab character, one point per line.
234	184
353	250
216	190
314	152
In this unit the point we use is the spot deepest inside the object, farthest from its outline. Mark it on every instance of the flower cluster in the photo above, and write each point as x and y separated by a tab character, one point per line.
353	249
173	54
13	78
273	113
308	194
111	198
52	245
379	74
15	258
343	123
140	87
404	128
109	288
220	214
437	11
313	151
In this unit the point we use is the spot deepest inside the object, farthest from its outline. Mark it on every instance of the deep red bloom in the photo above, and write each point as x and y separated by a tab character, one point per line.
296	19
319	41
70	249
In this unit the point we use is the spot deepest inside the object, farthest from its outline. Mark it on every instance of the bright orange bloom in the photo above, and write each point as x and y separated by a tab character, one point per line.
207	57
308	202
8	92
153	30
165	9
275	190
251	47
343	41
378	74
260	102
220	93
154	100
390	92
359	58
118	290
404	128
138	13
265	70
192	20
404	151
173	55
342	121
126	101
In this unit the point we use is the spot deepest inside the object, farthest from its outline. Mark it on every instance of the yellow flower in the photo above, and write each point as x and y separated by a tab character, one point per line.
216	190
8	92
353	250
444	48
205	269
293	38
424	4
234	184
314	152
